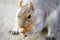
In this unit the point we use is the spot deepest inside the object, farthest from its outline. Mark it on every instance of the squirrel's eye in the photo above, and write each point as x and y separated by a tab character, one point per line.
29	16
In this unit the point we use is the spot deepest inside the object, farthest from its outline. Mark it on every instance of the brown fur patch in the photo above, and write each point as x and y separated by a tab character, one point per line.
26	29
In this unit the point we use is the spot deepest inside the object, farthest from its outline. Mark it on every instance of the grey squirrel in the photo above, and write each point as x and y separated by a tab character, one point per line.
38	13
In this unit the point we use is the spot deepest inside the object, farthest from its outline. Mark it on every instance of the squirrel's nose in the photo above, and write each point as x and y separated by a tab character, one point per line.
25	35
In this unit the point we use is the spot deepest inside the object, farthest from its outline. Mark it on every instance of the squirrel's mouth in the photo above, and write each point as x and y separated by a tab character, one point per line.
24	30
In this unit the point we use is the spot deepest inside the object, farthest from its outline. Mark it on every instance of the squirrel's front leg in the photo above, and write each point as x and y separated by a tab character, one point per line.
14	31
52	25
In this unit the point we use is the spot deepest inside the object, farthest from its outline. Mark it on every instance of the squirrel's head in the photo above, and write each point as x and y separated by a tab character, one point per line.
26	18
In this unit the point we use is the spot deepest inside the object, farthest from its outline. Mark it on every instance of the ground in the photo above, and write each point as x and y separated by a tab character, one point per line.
8	10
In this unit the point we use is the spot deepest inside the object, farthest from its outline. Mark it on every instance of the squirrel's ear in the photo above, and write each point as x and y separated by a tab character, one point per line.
21	3
31	6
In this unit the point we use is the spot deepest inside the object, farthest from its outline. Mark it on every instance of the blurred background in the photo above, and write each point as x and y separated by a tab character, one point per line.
8	10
